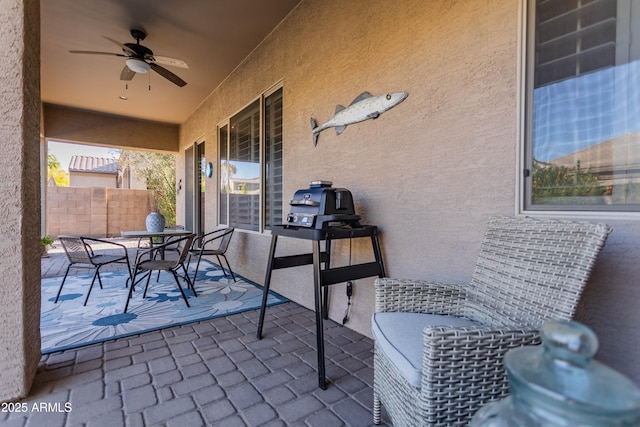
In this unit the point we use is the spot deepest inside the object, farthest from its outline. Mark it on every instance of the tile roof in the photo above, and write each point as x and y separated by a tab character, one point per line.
93	165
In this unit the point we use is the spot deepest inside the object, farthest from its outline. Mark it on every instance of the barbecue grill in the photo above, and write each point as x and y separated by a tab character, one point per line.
321	206
319	214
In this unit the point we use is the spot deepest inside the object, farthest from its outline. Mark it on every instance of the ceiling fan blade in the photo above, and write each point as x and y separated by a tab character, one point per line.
167	74
91	52
166	60
123	47
127	73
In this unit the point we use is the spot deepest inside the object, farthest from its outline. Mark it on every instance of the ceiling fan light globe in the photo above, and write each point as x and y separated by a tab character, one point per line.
137	65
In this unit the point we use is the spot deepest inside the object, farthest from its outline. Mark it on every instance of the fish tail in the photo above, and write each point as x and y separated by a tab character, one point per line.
314	125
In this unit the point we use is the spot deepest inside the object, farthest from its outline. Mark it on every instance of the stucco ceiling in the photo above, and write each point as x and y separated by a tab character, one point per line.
211	36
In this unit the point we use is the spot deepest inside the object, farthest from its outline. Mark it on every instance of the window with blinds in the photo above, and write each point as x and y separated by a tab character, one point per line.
250	148
582	143
574	37
273	160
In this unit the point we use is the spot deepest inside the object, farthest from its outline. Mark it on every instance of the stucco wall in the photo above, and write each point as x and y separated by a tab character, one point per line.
88	179
19	195
430	171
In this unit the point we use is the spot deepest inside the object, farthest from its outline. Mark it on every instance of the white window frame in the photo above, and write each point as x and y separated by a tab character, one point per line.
525	65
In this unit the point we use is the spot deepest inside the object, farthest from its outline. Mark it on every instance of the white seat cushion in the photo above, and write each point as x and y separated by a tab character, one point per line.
399	337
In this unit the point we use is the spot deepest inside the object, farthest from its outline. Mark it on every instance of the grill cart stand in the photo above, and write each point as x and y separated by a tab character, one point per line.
322	277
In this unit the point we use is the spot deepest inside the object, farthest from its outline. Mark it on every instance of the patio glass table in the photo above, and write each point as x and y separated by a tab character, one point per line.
151	234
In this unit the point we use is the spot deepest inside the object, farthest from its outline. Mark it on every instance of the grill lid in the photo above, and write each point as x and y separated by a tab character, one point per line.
321	206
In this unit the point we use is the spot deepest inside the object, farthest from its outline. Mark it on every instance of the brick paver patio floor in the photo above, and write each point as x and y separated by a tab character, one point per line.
211	373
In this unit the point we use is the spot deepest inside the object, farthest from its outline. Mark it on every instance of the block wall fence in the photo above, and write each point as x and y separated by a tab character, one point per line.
95	211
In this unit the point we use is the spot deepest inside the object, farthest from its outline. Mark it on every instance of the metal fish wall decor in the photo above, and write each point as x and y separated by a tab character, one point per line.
364	107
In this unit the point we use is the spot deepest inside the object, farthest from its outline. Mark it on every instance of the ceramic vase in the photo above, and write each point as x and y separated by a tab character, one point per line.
155	222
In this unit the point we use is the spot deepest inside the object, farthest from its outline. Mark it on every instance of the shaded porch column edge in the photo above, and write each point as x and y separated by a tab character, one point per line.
20	197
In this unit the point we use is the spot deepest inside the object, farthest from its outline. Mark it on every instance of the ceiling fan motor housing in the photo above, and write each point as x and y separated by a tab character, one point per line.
138	34
140	51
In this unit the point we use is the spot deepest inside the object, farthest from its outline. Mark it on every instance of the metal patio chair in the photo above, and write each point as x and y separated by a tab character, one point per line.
146	243
205	246
147	262
175	245
80	254
439	348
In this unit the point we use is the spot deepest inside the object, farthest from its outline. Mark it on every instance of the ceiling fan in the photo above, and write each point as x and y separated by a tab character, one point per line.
140	58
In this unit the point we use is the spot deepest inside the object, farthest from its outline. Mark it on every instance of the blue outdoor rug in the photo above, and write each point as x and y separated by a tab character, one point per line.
68	324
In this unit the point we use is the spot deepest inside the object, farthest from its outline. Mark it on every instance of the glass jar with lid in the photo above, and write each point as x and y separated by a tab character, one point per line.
559	384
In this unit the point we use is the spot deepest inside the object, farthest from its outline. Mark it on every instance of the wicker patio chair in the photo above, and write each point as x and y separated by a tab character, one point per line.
80	254
439	348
